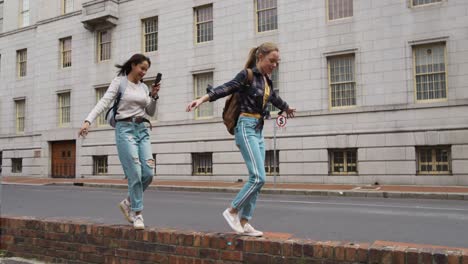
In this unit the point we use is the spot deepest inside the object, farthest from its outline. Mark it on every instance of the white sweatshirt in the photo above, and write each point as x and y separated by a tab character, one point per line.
134	102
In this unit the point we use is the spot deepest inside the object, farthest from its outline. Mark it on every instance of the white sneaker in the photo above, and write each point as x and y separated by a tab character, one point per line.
138	222
250	231
233	221
126	210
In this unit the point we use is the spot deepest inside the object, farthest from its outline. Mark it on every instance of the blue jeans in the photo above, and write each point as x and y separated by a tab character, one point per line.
252	147
134	148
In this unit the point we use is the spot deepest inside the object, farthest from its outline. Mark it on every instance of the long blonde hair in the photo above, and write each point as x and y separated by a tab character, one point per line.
264	48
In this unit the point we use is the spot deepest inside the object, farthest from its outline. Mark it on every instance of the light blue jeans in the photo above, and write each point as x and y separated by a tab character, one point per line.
134	148
252	147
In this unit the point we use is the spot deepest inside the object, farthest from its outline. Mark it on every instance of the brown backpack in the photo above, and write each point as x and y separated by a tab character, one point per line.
231	109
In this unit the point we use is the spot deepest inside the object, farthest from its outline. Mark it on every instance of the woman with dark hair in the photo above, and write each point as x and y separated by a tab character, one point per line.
131	134
249	129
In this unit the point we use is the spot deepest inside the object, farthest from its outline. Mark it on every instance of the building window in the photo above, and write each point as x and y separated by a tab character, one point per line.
21	62
275	81
343	161
430	72
149	83
24	13
201	81
271	162
64	109
104	45
150	34
423	2
101	118
340	9
267	17
154	157
342	81
67	6
99	165
204	23
16	165
20	106
202	163
434	160
1	16
66	52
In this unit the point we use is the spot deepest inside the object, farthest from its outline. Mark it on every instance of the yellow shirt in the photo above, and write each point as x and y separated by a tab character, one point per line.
266	94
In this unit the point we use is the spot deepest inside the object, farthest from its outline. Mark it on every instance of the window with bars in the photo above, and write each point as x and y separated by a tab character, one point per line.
24	13
201	81
204	23
343	161
149	83
64	109
1	16
104	45
275	80
202	163
100	165
20	112
341	80
67	6
267	17
150	34
66	52
430	72
21	62
423	2
16	165
340	9
434	160
271	162
101	118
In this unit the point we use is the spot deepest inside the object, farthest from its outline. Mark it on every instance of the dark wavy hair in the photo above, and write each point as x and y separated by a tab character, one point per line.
136	59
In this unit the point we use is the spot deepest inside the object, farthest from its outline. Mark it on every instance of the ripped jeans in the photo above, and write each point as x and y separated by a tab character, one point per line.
134	148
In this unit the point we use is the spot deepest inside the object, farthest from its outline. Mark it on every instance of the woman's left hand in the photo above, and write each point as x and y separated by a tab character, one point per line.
155	90
290	112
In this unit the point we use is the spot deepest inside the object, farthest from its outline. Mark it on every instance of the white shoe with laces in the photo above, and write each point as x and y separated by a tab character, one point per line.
250	231
138	222
233	221
126	210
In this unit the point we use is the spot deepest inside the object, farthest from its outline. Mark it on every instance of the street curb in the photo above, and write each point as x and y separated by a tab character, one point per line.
327	193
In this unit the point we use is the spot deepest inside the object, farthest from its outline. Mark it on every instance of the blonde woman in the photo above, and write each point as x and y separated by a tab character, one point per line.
249	130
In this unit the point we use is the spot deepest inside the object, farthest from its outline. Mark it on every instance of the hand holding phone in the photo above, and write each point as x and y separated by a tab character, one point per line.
158	78
155	88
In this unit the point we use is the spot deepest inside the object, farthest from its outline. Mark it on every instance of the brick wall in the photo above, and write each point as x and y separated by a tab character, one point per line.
59	241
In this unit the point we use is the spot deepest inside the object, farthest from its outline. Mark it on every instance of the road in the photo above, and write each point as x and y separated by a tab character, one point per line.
435	222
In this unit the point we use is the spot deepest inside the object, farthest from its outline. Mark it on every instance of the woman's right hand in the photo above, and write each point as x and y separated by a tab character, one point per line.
84	129
194	104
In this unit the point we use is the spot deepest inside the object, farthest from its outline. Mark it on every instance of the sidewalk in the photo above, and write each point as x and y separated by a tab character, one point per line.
387	191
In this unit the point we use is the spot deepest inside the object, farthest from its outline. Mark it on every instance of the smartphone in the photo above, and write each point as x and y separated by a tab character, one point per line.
158	78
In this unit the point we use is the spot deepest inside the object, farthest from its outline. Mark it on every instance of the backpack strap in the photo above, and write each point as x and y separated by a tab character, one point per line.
120	92
122	86
249	79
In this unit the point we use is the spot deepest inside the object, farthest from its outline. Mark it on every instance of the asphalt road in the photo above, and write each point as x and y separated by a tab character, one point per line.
435	222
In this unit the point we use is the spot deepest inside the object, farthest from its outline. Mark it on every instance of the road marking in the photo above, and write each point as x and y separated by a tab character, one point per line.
357	204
